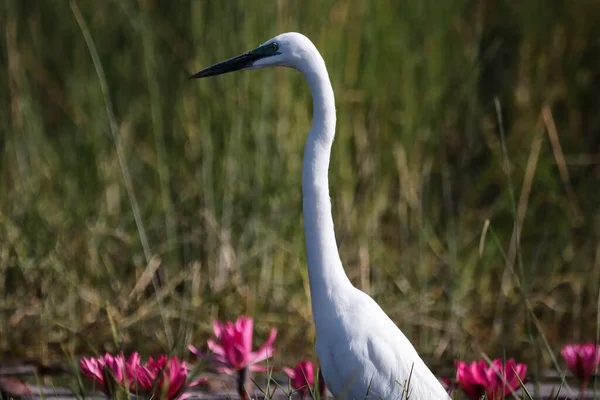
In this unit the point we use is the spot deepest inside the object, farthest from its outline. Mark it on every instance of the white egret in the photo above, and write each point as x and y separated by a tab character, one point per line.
361	351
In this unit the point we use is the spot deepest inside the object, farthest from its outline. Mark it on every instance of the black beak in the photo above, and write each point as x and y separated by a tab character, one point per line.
233	64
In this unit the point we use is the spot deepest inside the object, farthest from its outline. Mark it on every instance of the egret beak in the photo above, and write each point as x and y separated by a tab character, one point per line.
233	64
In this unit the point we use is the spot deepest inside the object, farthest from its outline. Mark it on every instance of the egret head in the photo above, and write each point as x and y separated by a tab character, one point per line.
286	50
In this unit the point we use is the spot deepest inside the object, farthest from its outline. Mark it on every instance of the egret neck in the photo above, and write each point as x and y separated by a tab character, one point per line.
326	273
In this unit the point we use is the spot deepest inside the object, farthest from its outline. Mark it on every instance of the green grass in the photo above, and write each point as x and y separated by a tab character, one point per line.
200	180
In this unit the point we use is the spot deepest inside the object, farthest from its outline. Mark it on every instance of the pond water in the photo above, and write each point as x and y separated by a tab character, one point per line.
221	387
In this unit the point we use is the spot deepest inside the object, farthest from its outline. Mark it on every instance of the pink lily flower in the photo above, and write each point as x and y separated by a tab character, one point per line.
143	376
497	380
582	360
233	348
302	376
107	371
163	378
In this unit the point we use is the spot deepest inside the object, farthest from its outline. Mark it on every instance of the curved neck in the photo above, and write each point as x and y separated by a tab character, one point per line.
325	270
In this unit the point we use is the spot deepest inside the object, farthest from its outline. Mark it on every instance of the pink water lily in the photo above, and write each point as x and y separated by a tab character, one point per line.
144	376
302	376
93	368
232	348
582	359
163	378
108	371
496	380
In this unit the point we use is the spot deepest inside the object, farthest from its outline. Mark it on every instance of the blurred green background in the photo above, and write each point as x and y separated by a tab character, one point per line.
137	206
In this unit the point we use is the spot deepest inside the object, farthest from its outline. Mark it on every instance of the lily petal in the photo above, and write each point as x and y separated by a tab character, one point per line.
265	351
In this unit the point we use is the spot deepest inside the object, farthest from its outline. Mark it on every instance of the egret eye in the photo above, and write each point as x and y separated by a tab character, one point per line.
274	47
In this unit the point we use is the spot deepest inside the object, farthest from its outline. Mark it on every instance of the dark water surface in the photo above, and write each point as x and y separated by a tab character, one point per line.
221	387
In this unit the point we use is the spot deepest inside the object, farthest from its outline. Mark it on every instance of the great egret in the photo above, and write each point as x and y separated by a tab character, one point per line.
361	351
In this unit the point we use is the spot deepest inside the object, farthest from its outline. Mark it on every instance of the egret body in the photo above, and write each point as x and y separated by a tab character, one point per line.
361	351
